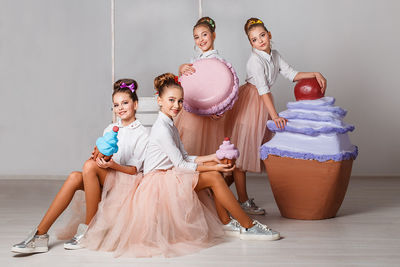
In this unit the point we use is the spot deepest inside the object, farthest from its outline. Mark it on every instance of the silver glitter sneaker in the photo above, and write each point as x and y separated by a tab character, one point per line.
232	228
251	208
32	244
75	242
259	231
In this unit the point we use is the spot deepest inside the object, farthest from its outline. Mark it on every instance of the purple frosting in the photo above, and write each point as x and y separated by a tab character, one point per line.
288	114
310	131
300	105
265	151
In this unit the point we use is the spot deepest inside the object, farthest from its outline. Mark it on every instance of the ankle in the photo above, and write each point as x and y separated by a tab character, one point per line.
40	232
243	199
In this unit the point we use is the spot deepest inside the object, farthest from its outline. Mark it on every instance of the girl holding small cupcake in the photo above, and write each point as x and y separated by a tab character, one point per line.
109	181
249	116
201	135
166	216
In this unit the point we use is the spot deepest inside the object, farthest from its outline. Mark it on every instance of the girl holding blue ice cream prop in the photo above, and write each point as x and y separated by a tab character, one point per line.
109	175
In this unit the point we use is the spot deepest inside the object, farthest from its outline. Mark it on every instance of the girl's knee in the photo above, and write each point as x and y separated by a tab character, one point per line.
75	179
216	178
89	166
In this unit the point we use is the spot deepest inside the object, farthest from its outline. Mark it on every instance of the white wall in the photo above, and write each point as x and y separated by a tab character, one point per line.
50	126
55	82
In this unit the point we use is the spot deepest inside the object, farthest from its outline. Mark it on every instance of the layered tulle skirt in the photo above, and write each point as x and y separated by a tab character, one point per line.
106	228
162	217
200	135
246	124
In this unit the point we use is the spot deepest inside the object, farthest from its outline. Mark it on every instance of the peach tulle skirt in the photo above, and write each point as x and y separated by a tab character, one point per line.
116	189
200	135
105	229
163	217
246	124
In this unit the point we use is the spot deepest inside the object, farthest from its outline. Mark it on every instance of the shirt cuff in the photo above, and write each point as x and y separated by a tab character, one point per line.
292	75
191	158
263	90
135	163
192	166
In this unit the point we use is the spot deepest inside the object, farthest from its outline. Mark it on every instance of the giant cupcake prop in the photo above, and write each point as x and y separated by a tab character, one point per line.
107	144
211	89
309	162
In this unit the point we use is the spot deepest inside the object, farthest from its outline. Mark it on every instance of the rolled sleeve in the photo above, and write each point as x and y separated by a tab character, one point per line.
286	70
139	153
256	73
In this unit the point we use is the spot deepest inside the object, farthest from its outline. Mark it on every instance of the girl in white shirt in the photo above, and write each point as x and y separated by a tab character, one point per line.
250	114
201	135
168	218
116	179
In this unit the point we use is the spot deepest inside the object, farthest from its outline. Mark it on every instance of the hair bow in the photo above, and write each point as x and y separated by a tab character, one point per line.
211	22
176	79
131	87
256	22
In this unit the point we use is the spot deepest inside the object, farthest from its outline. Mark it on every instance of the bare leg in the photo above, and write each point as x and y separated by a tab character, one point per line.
73	183
93	180
224	196
240	183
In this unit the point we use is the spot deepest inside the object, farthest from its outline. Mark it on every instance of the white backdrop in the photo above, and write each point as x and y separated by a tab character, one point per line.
55	67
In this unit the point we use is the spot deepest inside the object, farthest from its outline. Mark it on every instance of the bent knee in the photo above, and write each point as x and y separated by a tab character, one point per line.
89	165
75	180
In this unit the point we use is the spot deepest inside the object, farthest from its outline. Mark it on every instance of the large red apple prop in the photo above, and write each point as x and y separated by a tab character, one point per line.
307	89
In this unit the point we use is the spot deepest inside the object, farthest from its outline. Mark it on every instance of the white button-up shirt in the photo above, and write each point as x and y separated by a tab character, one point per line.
263	68
165	149
209	54
132	143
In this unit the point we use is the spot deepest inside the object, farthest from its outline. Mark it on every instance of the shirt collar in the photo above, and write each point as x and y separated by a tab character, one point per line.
132	125
209	53
263	54
165	118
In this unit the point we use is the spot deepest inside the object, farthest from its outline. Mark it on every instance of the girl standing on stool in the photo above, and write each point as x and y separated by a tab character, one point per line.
201	135
250	114
168	218
113	176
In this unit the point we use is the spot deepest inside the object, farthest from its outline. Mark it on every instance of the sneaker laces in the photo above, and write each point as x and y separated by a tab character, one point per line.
235	222
262	226
252	204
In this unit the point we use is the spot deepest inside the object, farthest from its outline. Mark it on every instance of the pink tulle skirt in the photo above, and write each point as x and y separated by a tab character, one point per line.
105	230
246	124
200	135
163	217
116	189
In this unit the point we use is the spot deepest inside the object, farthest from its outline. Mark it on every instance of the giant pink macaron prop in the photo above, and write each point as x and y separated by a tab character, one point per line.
211	89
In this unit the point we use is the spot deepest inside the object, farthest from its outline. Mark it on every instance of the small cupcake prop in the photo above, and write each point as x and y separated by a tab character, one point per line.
227	152
107	144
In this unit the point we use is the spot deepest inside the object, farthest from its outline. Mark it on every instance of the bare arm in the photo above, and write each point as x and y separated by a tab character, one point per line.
115	166
321	79
279	121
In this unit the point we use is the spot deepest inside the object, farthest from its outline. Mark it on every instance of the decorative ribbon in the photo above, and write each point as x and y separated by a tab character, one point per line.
131	87
256	22
177	80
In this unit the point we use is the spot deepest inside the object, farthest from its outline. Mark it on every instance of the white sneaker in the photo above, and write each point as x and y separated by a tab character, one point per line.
32	244
75	242
251	208
259	231
232	228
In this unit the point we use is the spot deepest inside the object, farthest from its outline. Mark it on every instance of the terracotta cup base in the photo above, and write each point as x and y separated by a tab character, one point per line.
308	189
228	161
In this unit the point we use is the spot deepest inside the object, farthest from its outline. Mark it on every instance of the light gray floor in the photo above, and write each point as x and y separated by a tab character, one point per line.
366	231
